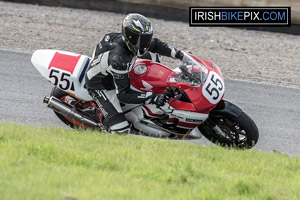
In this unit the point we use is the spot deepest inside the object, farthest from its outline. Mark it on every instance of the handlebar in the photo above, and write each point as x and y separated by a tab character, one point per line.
186	72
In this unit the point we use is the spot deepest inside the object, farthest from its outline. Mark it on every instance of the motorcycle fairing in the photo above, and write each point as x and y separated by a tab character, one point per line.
153	79
185	119
63	69
203	98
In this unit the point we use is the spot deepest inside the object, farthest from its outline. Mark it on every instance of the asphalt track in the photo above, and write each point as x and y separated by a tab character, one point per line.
276	110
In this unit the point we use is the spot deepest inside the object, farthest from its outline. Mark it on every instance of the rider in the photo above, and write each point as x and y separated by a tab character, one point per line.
107	77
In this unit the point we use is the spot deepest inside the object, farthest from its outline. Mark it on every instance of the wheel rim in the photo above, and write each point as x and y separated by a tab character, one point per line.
234	132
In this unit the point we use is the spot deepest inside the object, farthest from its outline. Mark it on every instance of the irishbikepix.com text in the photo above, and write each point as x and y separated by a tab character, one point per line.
254	16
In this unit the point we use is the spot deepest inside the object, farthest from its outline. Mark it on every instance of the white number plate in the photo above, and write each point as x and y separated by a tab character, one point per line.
214	88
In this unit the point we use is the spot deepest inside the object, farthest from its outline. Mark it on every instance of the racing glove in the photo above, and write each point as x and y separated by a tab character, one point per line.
159	100
171	92
179	54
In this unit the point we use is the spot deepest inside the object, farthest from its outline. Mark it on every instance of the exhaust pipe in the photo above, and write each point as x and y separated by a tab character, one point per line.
68	111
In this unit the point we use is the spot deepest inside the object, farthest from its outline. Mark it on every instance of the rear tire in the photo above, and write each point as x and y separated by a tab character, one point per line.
240	132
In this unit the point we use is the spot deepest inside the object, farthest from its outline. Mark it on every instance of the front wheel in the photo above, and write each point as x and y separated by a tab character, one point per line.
231	131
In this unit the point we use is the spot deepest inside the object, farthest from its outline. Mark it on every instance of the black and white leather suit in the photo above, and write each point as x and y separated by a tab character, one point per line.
107	77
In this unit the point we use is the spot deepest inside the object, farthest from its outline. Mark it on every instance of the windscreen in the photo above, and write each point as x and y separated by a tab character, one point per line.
190	71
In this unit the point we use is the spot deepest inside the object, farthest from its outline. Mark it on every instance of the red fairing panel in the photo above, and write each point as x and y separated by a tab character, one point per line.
153	80
64	62
149	112
200	103
207	105
156	78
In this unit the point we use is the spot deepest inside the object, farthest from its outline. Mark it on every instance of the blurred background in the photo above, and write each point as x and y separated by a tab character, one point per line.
251	53
168	9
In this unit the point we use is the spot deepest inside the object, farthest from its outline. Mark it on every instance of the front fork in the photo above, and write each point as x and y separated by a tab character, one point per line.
223	109
216	127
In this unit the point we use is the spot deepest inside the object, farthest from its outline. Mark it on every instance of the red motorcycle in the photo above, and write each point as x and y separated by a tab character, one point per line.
196	107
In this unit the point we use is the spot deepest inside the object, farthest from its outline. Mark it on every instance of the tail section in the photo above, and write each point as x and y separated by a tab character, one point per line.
63	69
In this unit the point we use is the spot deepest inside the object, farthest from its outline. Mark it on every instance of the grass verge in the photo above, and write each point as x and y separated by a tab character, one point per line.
55	163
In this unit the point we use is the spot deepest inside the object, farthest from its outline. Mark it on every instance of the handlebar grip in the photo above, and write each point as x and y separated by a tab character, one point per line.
183	68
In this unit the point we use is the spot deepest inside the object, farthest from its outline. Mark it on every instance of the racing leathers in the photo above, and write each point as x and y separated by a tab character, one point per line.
108	83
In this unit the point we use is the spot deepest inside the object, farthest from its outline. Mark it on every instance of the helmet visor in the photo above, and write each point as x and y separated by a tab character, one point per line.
132	36
140	41
143	42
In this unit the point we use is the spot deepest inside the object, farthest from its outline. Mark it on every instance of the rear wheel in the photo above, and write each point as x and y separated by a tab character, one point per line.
236	132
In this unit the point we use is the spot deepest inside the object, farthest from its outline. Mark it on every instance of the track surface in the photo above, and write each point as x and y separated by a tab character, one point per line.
275	109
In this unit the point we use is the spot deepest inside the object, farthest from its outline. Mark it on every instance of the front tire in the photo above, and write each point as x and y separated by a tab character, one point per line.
231	131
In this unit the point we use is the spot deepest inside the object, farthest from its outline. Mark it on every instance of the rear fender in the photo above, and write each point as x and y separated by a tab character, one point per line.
225	108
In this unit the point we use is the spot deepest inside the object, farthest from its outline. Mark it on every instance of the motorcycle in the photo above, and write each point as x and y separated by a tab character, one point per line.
196	107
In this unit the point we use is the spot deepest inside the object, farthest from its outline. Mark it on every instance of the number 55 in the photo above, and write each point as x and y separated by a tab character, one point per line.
213	89
63	78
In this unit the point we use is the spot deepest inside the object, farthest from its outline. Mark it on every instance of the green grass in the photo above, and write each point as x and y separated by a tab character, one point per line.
54	163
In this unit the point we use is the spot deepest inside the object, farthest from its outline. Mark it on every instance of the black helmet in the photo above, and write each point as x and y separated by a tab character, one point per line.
137	31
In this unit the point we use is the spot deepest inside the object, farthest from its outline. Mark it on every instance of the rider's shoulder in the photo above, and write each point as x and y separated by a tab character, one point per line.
118	62
109	38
